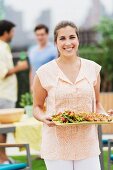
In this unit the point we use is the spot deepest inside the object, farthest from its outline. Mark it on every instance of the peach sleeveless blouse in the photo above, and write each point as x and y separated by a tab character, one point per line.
70	142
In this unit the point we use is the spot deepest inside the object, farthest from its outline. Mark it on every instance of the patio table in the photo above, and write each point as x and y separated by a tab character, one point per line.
26	131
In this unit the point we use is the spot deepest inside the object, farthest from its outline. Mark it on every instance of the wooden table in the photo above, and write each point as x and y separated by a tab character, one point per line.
22	131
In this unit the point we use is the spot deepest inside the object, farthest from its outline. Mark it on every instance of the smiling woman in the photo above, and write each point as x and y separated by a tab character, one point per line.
66	42
68	83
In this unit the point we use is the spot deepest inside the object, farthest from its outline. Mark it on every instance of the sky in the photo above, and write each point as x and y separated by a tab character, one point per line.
74	10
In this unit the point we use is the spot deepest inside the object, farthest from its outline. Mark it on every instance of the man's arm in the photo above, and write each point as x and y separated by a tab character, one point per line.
3	69
21	66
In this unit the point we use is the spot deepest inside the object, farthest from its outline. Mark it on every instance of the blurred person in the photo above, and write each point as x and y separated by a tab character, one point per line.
42	52
8	80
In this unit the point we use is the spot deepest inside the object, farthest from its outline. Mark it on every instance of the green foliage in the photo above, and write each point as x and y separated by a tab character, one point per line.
36	163
103	53
94	53
106	29
26	99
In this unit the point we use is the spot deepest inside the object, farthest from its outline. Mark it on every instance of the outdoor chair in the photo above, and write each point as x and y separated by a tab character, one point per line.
105	142
110	155
17	166
108	143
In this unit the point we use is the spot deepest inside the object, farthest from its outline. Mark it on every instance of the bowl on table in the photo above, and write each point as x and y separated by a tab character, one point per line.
11	115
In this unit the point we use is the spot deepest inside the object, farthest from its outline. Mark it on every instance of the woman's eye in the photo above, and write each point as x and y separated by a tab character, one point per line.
72	37
62	38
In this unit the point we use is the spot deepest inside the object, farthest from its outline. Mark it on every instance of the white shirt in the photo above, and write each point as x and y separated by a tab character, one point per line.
8	86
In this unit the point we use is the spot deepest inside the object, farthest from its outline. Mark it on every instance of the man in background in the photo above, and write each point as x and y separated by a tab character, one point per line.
8	80
42	52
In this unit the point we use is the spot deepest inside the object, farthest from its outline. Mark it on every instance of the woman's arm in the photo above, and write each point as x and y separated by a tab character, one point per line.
99	107
39	96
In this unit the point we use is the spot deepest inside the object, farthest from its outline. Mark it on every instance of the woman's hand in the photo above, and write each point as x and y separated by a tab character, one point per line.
48	120
110	112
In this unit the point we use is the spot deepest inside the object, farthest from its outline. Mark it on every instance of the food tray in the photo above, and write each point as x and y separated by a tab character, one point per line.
82	123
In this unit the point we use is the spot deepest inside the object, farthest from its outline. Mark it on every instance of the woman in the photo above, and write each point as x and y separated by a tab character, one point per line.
68	83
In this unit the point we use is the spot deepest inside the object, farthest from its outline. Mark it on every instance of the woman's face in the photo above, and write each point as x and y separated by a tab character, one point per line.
67	41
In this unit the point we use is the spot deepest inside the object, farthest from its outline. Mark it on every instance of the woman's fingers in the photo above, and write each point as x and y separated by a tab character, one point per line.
49	122
110	112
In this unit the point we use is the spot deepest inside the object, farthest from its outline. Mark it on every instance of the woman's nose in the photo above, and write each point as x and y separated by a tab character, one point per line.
67	42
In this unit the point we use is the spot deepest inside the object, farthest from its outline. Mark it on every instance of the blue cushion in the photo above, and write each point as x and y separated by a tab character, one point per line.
13	166
111	157
105	141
